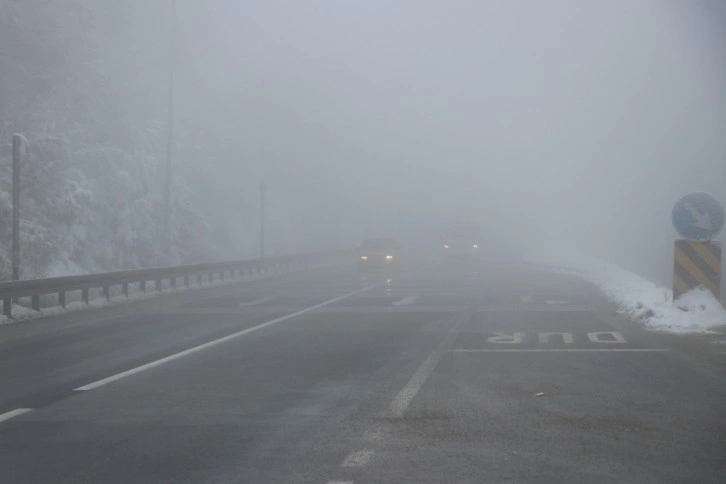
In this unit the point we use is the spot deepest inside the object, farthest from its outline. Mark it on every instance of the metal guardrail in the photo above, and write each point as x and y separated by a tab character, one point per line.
34	288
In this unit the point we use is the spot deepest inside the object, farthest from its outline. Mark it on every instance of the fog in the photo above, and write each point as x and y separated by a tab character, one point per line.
559	124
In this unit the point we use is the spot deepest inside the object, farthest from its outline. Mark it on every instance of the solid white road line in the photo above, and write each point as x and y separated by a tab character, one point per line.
559	350
401	401
254	303
13	413
359	458
215	342
340	482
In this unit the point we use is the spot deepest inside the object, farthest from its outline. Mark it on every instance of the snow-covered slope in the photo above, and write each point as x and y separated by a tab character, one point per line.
643	300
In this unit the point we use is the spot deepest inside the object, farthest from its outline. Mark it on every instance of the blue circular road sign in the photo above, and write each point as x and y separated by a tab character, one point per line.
698	216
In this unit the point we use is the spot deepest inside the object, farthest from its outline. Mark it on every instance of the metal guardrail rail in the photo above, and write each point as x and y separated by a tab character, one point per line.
34	288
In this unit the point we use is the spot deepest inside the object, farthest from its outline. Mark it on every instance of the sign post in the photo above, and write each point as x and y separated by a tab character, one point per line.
698	218
19	143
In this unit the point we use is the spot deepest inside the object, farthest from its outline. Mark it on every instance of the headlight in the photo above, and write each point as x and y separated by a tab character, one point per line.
476	246
364	257
389	257
446	246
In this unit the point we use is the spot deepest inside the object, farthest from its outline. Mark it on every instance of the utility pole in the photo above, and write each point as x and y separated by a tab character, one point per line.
337	224
18	142
263	190
170	131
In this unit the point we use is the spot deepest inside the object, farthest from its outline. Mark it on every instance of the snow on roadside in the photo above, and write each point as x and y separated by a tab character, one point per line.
642	300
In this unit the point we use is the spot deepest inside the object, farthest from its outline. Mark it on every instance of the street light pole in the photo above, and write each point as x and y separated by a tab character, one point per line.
170	131
17	144
263	190
337	224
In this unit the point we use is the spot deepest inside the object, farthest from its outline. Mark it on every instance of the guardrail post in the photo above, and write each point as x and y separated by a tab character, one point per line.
228	271
8	307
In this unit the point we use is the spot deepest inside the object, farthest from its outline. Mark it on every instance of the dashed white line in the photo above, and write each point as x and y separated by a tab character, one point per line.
359	458
254	303
401	401
375	434
558	350
340	482
13	413
215	342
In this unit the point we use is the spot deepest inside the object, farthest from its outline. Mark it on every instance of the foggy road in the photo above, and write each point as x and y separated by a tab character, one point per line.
501	373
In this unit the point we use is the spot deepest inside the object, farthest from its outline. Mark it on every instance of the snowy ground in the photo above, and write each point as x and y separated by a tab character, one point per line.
643	300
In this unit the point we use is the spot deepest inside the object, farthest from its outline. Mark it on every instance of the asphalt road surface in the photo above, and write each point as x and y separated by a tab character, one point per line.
497	373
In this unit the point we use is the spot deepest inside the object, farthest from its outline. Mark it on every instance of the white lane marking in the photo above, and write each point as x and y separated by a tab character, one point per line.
340	482
359	458
553	302
254	303
13	413
405	301
526	299
560	350
616	337
209	344
567	338
375	434
401	401
501	338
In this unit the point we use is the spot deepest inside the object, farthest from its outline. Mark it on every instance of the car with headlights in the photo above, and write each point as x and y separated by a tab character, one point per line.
461	242
379	254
